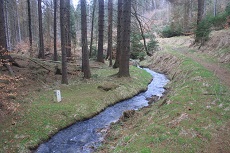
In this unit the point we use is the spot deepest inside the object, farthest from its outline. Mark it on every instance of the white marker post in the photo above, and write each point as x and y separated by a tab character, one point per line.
57	95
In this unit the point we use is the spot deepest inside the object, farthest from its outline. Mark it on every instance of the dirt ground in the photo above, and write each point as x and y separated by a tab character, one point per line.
221	142
222	73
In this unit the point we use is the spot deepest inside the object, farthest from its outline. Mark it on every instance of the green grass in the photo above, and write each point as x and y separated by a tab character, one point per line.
40	117
194	93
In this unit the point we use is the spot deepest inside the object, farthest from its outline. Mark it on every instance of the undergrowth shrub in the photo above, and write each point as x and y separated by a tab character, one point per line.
202	32
168	32
136	46
217	22
152	45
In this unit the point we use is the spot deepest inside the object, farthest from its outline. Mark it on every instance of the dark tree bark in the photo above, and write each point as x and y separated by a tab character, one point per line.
100	57
30	28
118	48
110	31
5	59
92	28
41	42
200	12
68	35
63	24
55	30
3	43
125	45
85	54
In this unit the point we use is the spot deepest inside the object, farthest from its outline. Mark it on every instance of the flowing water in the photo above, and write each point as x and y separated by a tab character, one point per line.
85	136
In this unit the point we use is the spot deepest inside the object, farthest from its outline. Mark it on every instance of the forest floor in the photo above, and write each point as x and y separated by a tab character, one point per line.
28	113
194	116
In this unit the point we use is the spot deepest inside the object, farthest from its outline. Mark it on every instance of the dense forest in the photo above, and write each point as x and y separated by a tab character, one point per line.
81	47
40	28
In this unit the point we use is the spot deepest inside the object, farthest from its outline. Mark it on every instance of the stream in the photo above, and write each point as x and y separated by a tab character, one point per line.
85	136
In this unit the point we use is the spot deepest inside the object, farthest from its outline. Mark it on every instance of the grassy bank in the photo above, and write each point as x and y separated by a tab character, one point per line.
191	118
39	117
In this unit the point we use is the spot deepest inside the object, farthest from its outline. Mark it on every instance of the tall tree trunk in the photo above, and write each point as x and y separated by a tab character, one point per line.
110	30
214	7
125	45
92	28
186	15
41	42
68	39
85	54
4	58
18	30
3	42
55	30
100	56
7	25
30	28
118	48
200	11
63	24
154	5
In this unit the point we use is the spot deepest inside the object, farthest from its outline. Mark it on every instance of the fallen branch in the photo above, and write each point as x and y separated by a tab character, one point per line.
40	64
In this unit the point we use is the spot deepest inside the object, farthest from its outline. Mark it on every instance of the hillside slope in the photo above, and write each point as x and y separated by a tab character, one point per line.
194	115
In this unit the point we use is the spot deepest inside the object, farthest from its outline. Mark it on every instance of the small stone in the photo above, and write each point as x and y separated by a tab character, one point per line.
208	107
220	106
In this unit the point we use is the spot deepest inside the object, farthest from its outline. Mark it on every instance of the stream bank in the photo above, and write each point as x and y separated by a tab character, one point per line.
87	135
193	117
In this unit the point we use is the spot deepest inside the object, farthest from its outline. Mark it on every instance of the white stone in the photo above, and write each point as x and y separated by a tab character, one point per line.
57	95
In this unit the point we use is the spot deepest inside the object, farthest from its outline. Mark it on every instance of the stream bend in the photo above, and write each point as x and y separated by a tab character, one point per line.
85	136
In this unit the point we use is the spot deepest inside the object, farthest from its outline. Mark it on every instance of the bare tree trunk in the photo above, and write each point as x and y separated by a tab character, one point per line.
142	31
68	39
55	30
30	29
63	24
154	5
125	45
3	43
7	26
110	30
214	7
92	28
186	15
19	35
85	54
100	56
200	11
118	48
41	42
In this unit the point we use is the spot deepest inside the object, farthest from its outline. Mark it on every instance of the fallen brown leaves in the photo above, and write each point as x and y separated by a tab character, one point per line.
8	92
